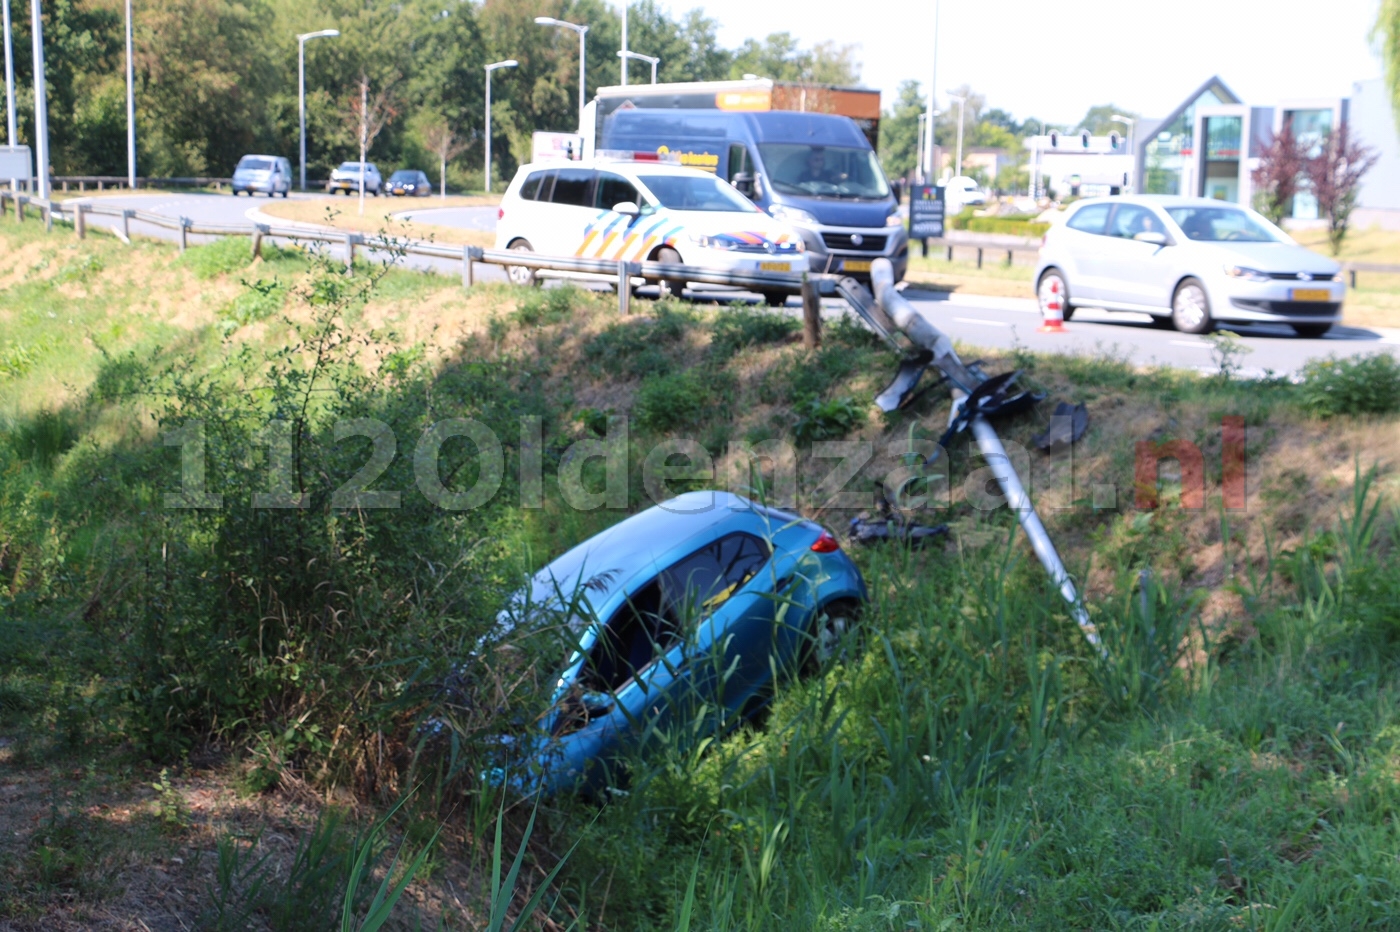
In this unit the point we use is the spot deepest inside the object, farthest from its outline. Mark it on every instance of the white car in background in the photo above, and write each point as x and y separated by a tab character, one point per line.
640	208
961	191
1190	262
346	178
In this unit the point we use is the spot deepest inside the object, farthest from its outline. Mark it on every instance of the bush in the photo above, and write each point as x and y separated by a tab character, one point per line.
827	420
671	402
1363	385
1014	226
225	255
738	328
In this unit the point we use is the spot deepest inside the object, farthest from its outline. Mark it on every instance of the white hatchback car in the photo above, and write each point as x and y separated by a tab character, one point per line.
1189	262
642	210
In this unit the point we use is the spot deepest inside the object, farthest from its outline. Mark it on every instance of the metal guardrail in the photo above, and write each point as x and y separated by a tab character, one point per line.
624	272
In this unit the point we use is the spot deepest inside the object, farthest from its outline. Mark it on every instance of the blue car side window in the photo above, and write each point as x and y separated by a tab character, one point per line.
701	582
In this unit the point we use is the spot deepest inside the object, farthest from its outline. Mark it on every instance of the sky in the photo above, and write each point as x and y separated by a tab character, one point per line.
1053	59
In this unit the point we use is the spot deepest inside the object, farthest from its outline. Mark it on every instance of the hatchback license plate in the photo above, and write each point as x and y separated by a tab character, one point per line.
1311	294
774	267
855	265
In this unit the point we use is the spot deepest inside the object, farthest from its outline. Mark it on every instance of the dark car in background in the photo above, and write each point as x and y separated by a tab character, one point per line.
408	182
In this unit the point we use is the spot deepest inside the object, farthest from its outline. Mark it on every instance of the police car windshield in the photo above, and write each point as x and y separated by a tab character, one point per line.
686	192
824	171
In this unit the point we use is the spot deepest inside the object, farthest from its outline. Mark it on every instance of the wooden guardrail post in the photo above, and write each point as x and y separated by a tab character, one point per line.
259	231
979	257
950	253
47	211
1353	278
80	220
126	225
811	314
19	208
468	278
624	288
349	253
1008	258
184	233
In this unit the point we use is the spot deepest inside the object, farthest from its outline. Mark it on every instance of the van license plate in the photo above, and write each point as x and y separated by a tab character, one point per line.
774	267
855	265
1311	294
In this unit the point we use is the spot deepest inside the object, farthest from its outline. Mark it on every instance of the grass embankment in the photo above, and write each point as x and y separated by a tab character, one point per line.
343	213
1232	763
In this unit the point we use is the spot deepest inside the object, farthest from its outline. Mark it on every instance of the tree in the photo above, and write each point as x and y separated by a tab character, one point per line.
1281	167
1099	120
443	143
1334	176
371	115
781	58
899	131
1386	34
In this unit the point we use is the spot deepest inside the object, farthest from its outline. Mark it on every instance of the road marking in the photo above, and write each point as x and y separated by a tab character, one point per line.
974	320
1197	343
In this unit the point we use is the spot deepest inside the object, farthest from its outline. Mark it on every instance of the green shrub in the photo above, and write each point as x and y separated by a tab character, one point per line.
221	257
1361	385
741	327
44	437
639	346
827	420
670	402
17	358
543	306
259	300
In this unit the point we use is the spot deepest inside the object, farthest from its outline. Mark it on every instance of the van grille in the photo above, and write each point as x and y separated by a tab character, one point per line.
868	243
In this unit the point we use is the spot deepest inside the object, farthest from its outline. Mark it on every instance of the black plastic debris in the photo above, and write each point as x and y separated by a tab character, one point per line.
889	524
1067	425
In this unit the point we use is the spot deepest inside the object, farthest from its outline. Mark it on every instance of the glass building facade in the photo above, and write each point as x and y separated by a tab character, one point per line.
1168	154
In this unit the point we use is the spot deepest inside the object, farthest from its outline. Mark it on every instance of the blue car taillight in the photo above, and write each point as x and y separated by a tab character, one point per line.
826	543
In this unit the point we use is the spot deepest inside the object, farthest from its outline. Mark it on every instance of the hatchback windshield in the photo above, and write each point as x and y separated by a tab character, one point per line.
404	176
254	165
1221	224
824	171
353	166
685	192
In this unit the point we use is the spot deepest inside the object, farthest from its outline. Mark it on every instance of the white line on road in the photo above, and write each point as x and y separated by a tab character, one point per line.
1202	344
974	320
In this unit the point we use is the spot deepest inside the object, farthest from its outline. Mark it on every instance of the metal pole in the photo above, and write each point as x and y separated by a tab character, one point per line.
130	106
41	101
301	104
624	43
653	71
9	76
582	52
486	171
961	121
932	90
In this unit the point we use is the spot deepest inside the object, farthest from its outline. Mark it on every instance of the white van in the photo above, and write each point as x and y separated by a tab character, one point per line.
270	174
641	208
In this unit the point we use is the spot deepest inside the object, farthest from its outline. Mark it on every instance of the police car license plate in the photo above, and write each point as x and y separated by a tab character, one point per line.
855	265
1311	294
774	267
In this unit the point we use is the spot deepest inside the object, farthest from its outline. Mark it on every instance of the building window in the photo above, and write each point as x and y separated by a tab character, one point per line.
1222	158
1167	155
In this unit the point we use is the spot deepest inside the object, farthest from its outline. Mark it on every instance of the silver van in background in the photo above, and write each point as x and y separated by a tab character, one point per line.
270	174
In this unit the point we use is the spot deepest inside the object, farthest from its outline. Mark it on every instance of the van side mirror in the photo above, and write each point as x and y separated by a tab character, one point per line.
743	183
628	208
1156	239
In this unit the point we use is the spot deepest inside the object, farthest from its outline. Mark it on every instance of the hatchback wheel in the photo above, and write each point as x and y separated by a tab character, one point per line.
1312	331
1053	288
1191	308
832	635
521	274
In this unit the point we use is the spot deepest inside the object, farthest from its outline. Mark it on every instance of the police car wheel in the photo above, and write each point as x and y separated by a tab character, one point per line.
520	274
671	287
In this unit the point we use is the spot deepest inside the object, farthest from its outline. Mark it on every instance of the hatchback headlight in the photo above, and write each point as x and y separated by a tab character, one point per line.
1253	275
791	214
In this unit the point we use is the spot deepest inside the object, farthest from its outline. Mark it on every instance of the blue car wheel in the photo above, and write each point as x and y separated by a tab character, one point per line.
835	634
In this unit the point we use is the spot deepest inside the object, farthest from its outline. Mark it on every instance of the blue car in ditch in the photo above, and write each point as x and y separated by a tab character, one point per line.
696	604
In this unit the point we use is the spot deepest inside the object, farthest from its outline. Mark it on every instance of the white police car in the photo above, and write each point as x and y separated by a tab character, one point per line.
639	207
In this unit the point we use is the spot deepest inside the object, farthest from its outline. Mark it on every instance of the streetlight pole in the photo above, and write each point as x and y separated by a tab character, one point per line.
582	52
508	63
301	90
961	101
9	76
1130	123
41	101
623	54
931	113
640	57
130	106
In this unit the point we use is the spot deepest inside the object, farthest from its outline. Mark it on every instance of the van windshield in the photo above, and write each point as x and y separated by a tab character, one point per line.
255	165
684	192
824	171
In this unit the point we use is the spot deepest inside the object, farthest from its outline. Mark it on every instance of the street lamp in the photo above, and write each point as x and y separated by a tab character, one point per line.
625	55
41	100
1128	122
9	76
582	51
130	106
508	63
931	113
301	87
961	102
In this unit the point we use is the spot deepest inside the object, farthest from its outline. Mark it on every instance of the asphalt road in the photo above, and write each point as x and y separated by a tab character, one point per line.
973	319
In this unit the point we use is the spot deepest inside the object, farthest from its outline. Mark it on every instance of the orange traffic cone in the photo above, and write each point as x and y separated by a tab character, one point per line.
1054	310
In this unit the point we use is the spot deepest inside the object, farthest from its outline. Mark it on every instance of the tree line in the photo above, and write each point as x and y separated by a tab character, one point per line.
216	79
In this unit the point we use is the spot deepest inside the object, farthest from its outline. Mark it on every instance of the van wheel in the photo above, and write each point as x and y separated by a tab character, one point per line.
520	274
671	287
1191	307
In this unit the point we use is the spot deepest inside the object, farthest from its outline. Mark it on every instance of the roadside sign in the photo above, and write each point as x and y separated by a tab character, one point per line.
556	147
926	211
16	163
